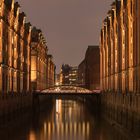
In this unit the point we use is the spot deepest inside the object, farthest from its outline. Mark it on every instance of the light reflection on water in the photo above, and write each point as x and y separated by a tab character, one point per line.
66	120
70	120
64	130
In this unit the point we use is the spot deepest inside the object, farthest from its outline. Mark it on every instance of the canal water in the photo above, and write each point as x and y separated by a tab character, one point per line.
64	120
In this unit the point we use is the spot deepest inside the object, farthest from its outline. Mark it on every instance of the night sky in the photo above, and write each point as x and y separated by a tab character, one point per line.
68	25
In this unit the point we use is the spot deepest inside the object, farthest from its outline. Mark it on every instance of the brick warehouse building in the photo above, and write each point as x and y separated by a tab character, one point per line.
120	65
14	49
15	62
15	52
42	66
89	69
81	74
120	47
38	60
50	71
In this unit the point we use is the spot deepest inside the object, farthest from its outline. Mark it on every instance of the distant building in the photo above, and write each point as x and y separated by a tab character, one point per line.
50	71
81	73
92	71
61	77
65	74
58	79
73	76
69	75
89	69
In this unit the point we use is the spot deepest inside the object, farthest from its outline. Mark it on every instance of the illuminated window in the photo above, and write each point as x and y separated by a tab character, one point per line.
0	56
0	42
15	25
131	40
1	9
116	82
33	68
131	56
15	82
33	63
12	40
131	80
15	53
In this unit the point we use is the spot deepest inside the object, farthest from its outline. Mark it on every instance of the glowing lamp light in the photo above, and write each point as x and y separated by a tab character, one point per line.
57	83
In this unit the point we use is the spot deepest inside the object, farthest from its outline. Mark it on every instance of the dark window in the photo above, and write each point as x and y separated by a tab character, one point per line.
131	7
3	81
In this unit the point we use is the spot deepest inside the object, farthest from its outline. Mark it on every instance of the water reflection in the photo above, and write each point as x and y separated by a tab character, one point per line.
62	130
70	120
32	136
66	120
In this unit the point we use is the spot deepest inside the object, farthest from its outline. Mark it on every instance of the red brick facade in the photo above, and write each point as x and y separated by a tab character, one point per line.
89	69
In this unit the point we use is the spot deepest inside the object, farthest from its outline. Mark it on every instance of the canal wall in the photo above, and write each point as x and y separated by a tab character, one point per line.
93	102
41	102
14	105
122	110
17	105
